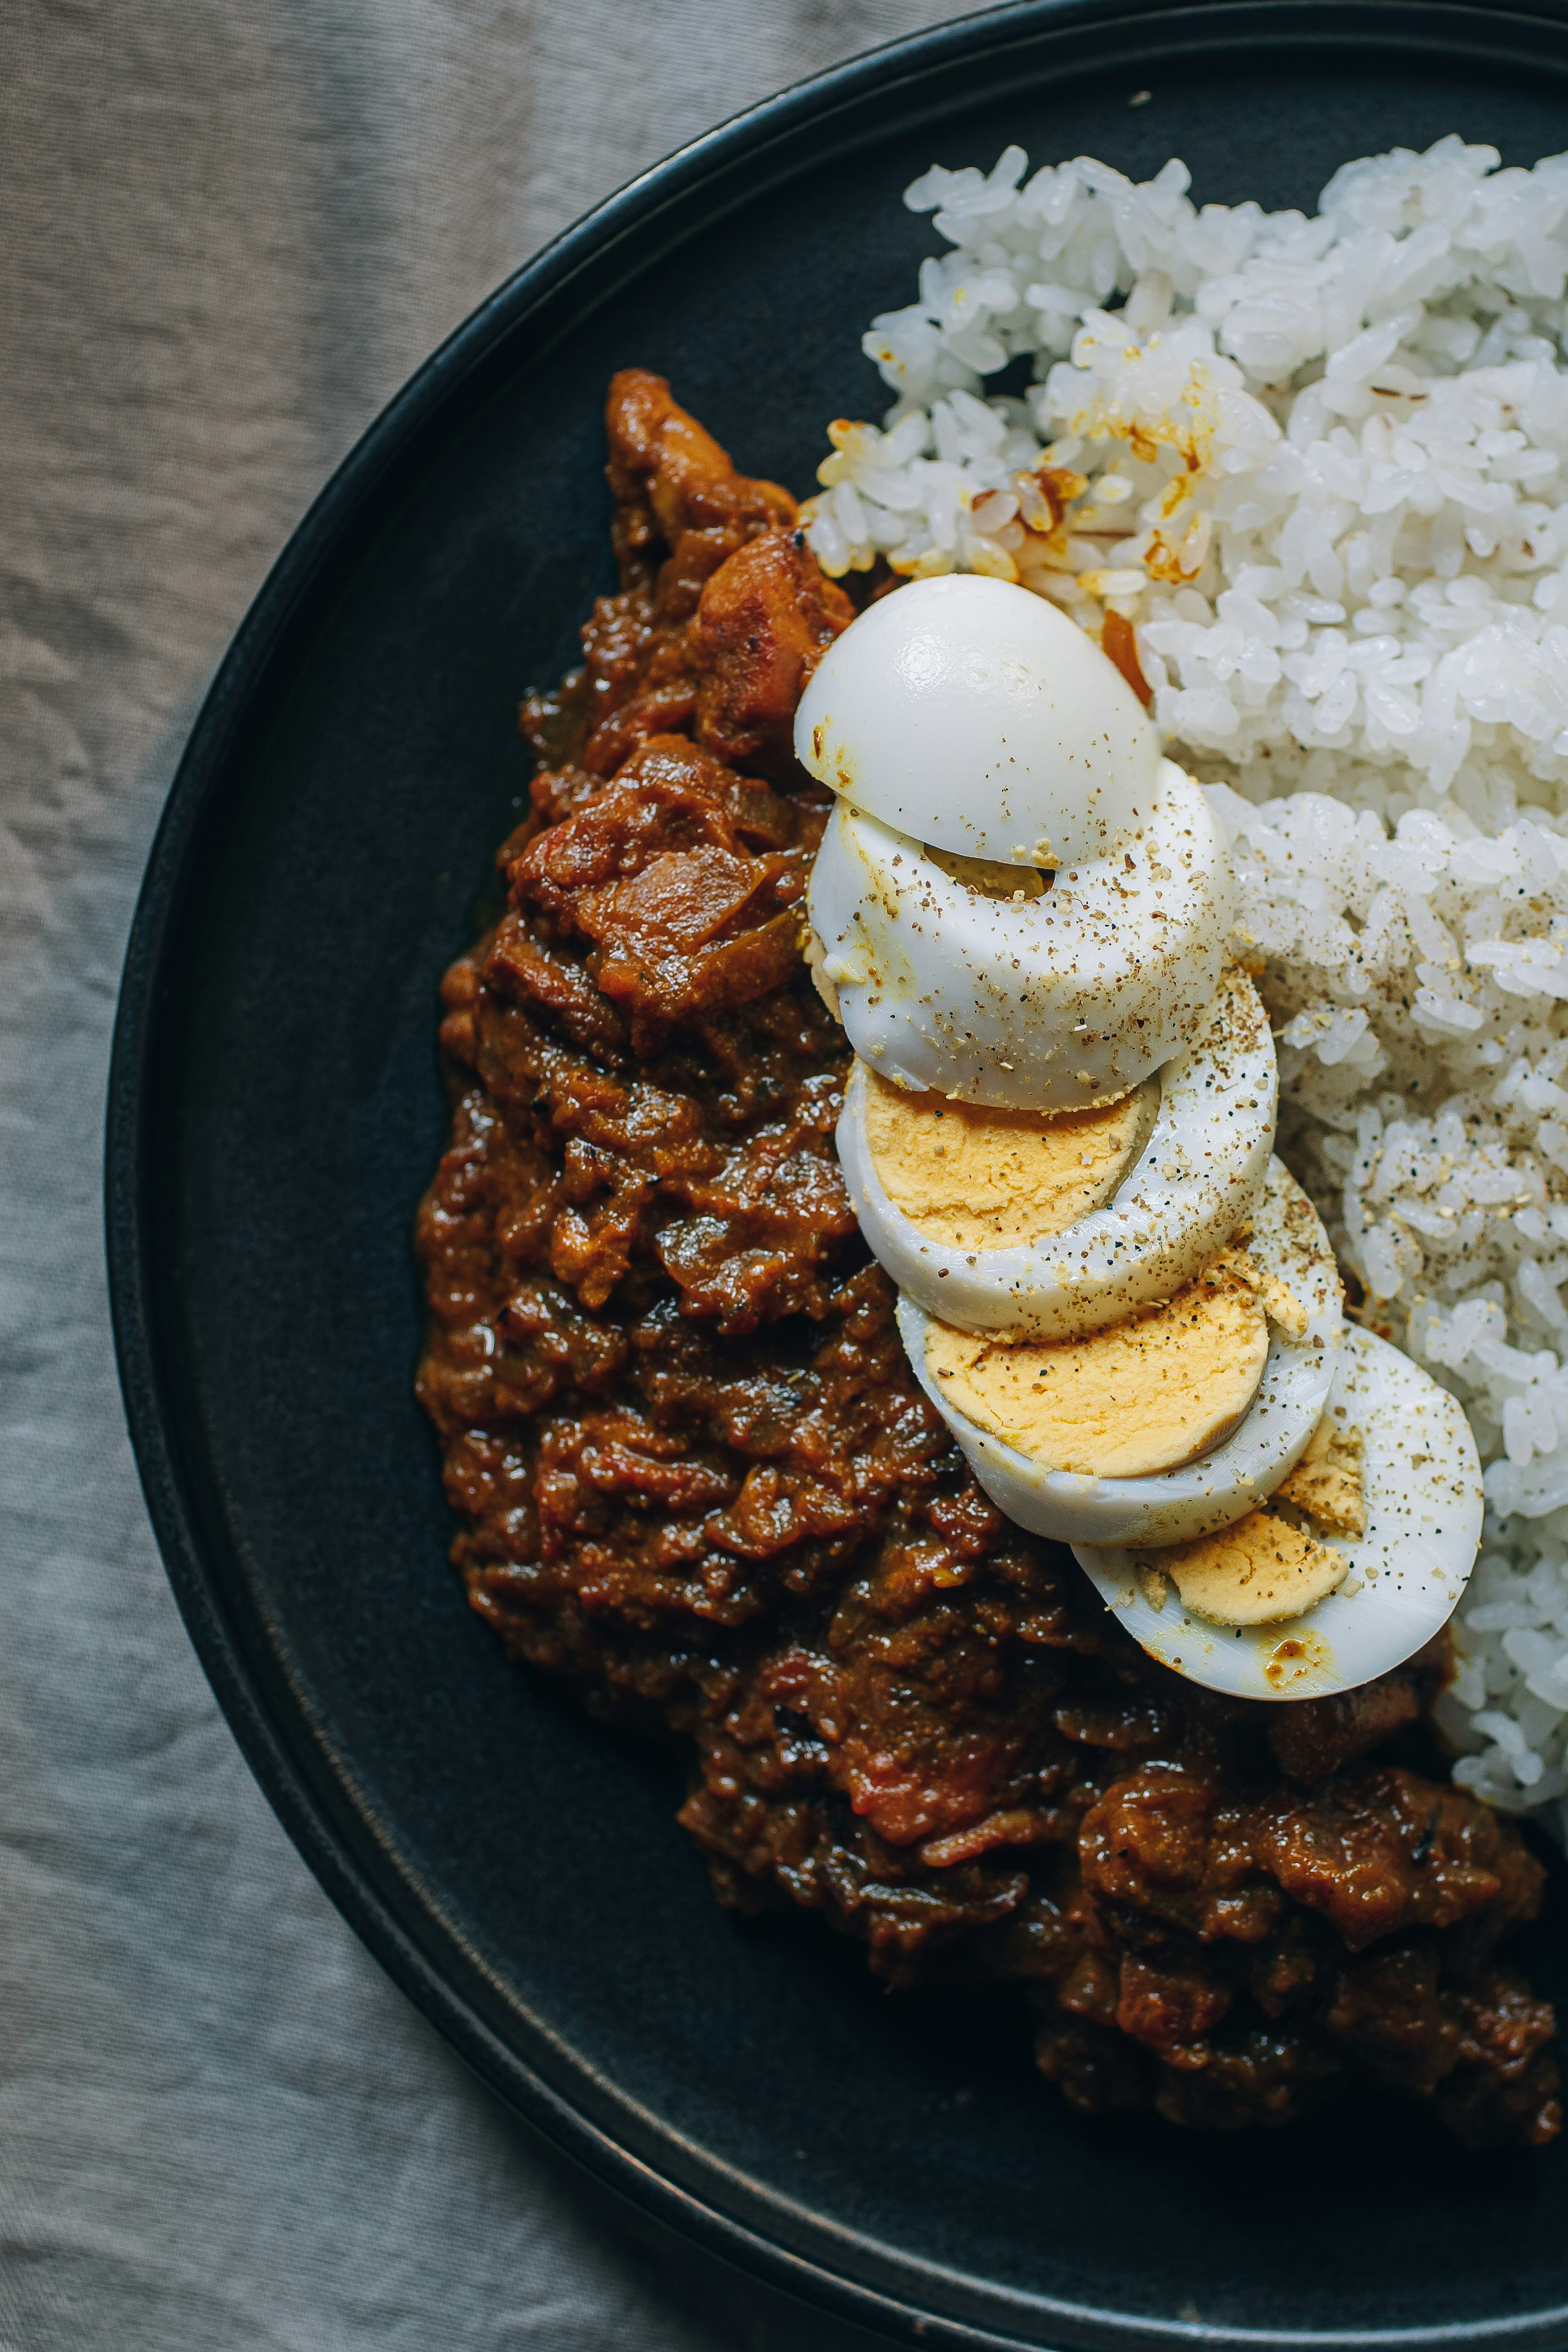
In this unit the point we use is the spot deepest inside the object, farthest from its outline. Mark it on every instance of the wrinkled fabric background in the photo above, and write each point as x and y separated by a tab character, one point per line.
229	230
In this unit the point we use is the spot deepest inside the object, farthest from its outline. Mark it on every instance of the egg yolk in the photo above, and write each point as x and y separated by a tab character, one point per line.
1141	1397
1254	1573
1326	1483
976	1179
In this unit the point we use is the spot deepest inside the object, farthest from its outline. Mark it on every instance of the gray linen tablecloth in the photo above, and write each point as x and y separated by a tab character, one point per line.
230	229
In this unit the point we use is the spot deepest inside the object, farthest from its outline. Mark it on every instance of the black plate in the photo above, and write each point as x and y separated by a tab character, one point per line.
276	1110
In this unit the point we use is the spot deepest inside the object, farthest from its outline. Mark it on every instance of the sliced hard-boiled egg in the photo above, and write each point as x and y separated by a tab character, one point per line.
1145	1394
972	714
989	1220
1016	995
1391	1588
979	1179
1300	1290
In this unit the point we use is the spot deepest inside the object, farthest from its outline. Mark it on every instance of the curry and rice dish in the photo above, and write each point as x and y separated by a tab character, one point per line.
873	1339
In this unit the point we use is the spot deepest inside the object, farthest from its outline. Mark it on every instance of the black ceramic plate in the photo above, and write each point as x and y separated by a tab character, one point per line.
276	1110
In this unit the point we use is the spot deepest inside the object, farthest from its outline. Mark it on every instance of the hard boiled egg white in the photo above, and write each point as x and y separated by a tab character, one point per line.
1043	1002
1173	1506
1424	1505
1180	1202
972	714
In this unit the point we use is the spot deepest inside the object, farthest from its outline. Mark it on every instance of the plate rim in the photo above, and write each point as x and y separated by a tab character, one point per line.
759	134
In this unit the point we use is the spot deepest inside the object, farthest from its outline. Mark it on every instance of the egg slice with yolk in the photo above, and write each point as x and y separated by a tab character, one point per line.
979	1179
1027	998
972	715
1307	1630
1049	1224
1299	1290
1258	1570
1145	1394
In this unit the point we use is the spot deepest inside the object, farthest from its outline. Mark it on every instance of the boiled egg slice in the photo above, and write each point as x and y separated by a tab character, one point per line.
1271	1397
1046	1226
971	714
1402	1577
988	986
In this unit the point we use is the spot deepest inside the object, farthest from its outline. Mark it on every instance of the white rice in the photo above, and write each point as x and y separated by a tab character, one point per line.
1318	463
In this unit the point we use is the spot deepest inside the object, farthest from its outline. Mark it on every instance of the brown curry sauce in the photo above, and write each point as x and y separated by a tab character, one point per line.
696	1480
